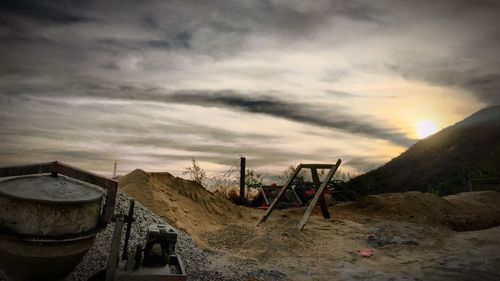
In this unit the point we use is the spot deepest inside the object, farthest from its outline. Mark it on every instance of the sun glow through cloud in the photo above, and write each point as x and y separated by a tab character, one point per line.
425	128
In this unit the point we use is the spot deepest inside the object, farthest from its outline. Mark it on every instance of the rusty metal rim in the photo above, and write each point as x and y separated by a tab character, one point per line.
53	202
60	238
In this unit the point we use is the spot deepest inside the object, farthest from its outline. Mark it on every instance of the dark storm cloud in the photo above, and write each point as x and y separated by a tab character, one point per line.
481	80
287	18
462	47
226	24
303	113
141	128
137	45
257	103
130	134
42	11
114	133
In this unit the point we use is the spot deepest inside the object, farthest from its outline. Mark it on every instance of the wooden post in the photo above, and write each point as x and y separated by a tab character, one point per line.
287	185
114	254
242	179
319	193
322	202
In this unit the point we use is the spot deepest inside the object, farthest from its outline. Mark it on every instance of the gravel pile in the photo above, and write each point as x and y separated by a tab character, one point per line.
196	261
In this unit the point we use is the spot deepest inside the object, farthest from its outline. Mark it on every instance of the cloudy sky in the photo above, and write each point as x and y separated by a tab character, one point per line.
154	83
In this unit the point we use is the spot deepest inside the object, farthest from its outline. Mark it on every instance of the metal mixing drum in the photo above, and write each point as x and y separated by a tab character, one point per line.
49	217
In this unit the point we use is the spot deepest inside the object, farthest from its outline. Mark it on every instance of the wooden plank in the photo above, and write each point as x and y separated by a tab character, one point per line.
264	195
317	166
114	254
322	203
296	197
319	192
280	194
32	169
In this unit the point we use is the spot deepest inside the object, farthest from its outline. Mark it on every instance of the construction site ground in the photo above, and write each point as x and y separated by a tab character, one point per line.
413	235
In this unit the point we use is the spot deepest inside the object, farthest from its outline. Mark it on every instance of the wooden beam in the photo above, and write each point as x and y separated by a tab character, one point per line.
287	185
317	166
319	193
322	203
32	169
114	254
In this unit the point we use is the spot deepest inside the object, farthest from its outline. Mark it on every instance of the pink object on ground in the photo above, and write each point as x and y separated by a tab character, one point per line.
365	252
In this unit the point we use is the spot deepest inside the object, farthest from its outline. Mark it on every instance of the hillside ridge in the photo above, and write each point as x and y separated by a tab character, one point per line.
444	162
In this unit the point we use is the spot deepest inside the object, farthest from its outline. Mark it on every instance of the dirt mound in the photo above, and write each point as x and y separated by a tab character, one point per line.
409	206
478	210
464	211
185	204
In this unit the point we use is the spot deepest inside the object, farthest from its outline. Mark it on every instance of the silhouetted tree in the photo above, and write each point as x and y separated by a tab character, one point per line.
195	172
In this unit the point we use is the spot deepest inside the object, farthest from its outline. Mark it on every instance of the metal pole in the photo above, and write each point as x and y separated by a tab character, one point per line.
242	179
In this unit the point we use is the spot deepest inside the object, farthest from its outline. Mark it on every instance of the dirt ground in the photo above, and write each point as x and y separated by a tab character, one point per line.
413	235
327	249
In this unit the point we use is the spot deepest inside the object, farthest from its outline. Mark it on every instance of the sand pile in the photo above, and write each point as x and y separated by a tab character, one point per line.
184	204
267	242
478	210
464	211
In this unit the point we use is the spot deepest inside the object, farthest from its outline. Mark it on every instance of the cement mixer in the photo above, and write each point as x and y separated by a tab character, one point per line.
50	214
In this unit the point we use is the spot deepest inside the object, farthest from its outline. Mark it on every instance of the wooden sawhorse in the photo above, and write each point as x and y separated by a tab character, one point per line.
319	192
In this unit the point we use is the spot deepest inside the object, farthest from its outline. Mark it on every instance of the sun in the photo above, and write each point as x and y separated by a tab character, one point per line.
425	128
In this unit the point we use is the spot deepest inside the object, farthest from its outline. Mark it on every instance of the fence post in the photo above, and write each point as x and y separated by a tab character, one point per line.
242	179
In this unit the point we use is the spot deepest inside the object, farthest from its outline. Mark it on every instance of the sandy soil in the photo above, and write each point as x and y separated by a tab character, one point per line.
327	249
412	235
184	204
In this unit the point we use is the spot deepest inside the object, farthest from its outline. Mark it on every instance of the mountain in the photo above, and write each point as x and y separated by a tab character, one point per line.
444	162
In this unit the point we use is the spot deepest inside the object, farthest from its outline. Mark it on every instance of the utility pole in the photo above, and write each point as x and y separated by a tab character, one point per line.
242	179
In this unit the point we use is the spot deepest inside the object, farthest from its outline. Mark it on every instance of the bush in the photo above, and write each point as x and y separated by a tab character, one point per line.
196	173
227	185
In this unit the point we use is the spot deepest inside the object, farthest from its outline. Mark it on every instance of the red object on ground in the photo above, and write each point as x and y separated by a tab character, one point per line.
264	206
365	252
